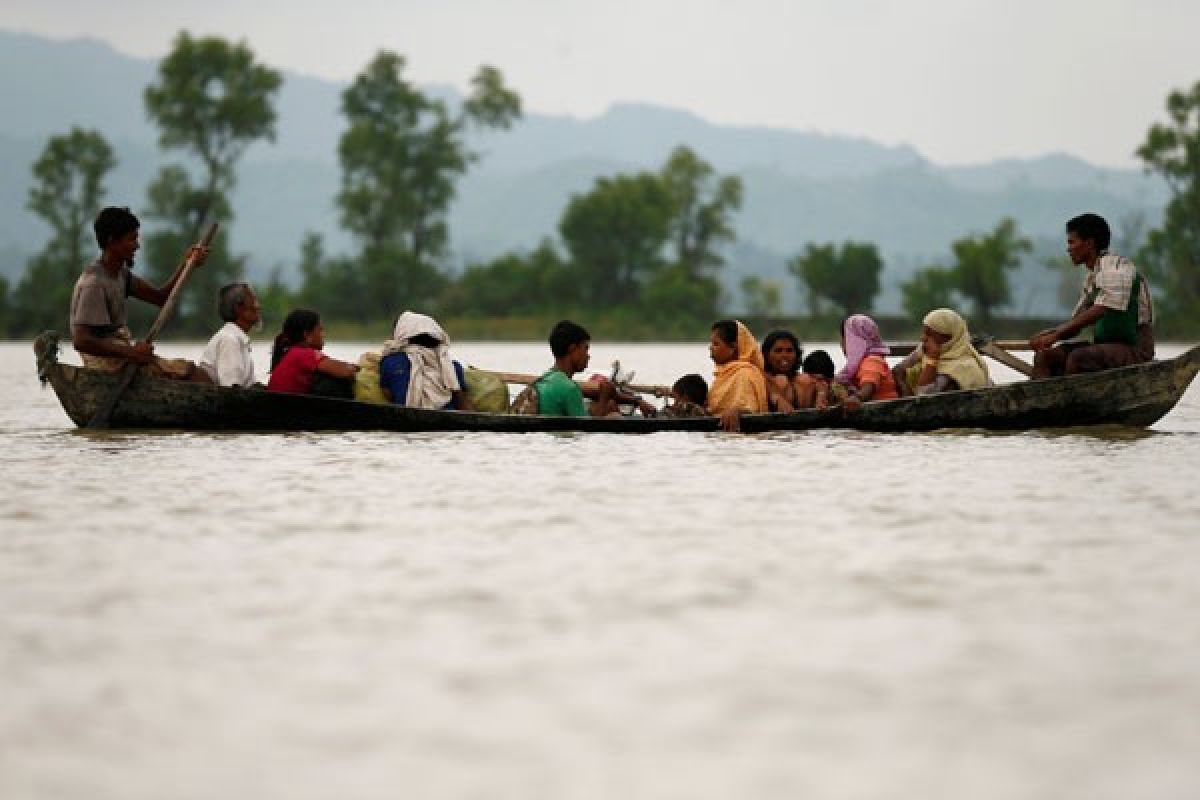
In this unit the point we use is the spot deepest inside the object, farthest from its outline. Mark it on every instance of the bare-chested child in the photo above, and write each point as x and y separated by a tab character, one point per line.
788	389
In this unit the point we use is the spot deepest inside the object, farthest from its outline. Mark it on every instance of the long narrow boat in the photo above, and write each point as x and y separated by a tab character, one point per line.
1134	396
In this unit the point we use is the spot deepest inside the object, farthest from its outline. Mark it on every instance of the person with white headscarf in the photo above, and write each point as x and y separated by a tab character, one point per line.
416	370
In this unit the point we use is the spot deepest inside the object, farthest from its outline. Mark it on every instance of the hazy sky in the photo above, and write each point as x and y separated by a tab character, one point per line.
961	80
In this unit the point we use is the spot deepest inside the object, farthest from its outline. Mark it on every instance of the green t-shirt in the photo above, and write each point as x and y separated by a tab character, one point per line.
559	396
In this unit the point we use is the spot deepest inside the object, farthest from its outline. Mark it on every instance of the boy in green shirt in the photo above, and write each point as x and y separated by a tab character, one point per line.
560	396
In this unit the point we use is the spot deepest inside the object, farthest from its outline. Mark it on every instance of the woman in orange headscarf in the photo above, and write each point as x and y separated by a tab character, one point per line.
738	386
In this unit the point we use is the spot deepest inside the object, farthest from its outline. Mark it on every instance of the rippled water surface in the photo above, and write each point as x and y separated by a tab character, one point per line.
820	615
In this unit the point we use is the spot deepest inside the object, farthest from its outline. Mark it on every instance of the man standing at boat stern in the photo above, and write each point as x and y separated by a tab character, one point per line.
99	321
1115	299
227	358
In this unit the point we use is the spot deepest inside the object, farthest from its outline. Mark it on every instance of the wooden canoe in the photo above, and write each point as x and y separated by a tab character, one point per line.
1133	396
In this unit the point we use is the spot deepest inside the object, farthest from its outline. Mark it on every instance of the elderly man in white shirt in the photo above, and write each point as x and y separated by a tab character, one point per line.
227	358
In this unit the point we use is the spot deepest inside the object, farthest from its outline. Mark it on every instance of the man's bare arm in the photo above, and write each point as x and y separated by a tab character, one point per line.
142	290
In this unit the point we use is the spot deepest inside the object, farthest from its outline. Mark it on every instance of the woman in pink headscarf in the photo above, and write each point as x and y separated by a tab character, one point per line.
866	374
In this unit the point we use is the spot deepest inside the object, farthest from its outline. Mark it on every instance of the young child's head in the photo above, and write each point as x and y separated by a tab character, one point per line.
691	388
819	363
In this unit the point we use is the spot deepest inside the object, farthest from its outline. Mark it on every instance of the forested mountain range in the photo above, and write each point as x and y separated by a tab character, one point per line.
800	186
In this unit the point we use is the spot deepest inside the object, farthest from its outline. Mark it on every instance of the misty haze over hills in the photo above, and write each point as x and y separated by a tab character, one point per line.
800	187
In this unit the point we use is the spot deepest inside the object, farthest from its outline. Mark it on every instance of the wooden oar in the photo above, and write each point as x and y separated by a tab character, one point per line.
523	379
995	350
906	348
104	413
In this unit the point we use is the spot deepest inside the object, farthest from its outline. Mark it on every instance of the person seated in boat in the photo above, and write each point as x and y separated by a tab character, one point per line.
1115	299
415	368
738	384
99	317
787	387
560	396
865	375
819	367
689	395
945	361
227	358
297	363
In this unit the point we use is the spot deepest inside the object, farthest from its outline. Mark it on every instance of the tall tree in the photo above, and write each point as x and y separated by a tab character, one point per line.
616	235
929	288
702	208
67	192
982	264
1172	253
211	101
845	276
402	155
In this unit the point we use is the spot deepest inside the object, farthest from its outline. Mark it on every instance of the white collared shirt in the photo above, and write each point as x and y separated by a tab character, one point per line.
227	358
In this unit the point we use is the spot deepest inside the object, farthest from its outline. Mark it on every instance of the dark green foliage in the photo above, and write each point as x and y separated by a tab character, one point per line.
334	287
701	208
402	155
1171	257
615	235
514	285
846	277
67	191
982	266
929	288
652	240
176	210
211	101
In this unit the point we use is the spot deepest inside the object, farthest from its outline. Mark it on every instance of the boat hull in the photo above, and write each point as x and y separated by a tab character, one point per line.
1135	396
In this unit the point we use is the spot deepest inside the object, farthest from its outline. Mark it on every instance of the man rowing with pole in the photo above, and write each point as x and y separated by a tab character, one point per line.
99	320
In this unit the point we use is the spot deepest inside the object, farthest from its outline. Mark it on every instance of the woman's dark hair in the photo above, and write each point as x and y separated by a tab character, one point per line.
769	342
1091	226
298	323
727	331
113	223
565	334
425	340
818	362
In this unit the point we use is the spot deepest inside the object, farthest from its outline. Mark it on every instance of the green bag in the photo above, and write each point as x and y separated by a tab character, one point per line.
487	392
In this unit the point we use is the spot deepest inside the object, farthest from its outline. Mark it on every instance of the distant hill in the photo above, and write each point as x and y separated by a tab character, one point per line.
800	187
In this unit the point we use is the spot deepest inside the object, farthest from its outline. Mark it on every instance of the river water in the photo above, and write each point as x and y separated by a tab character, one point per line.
818	615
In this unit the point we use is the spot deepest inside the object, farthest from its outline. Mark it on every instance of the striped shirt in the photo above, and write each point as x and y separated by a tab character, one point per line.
1109	285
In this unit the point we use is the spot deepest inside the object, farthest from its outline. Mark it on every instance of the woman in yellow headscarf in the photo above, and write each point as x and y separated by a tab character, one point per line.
946	358
738	384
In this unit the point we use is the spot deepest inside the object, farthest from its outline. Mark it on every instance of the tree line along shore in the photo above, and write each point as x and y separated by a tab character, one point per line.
637	255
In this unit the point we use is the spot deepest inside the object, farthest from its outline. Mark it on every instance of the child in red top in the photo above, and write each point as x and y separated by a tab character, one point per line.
297	358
